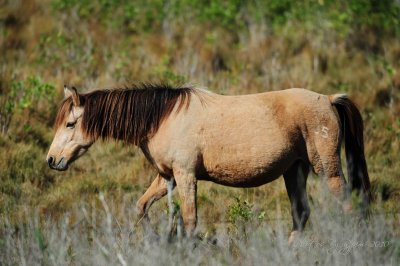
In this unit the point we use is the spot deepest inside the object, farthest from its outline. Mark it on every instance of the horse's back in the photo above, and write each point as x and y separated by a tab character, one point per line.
243	140
252	139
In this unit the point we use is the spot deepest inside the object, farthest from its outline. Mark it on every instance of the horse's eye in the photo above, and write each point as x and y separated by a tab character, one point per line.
71	124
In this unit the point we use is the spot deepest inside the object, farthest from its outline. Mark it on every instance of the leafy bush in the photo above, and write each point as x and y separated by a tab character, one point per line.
242	214
28	95
139	15
132	15
240	211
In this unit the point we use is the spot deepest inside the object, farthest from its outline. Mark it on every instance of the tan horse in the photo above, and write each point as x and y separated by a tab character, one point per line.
242	141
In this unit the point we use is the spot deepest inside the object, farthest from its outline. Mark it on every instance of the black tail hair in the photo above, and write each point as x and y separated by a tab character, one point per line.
352	130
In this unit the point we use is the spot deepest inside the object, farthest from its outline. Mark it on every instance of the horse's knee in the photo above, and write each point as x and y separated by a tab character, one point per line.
329	168
336	185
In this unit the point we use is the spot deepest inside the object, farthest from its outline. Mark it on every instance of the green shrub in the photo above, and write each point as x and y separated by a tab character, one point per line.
139	15
240	211
29	96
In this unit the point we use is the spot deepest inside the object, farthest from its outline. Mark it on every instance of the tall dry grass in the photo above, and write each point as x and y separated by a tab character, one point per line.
101	232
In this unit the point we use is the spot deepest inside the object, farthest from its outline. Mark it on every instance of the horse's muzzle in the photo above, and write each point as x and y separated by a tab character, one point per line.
50	160
62	165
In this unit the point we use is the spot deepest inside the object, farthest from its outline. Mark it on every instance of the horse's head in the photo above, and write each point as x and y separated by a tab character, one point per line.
70	141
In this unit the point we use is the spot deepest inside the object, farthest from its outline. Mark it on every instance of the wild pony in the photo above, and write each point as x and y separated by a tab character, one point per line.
191	134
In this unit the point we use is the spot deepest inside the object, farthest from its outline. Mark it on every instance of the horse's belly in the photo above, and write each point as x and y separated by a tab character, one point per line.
245	173
234	180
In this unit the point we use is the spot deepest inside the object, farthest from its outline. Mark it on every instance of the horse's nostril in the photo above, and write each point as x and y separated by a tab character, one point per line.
50	160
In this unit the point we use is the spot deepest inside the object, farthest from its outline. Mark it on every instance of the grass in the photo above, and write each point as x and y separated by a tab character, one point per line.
231	48
105	232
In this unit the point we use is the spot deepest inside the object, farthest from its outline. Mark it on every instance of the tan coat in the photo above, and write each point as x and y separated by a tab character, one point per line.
242	141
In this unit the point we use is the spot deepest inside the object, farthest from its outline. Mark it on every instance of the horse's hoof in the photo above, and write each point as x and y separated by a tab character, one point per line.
294	235
347	207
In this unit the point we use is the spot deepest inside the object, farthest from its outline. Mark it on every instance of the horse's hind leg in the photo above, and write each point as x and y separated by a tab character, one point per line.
295	181
331	171
324	154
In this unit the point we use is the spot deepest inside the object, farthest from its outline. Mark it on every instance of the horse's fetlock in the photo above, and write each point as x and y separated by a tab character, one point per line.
306	212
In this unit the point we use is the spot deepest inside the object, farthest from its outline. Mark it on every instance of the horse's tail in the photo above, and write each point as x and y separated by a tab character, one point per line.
352	128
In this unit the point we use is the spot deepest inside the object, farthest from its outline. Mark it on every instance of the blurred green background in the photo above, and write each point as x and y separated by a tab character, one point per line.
230	47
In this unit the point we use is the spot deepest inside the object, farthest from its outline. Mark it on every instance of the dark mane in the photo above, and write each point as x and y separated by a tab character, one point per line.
129	114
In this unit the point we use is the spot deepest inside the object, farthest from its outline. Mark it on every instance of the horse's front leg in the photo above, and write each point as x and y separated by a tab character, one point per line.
157	190
187	188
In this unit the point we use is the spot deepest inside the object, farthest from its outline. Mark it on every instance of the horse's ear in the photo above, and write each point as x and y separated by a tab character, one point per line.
73	93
